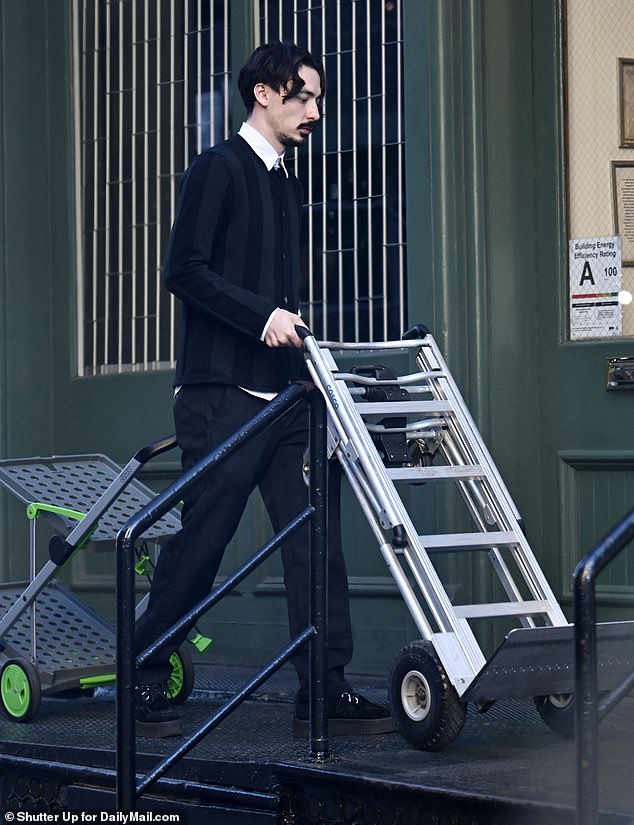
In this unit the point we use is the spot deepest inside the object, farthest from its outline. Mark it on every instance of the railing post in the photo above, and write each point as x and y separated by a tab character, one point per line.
586	668
126	733
586	718
318	547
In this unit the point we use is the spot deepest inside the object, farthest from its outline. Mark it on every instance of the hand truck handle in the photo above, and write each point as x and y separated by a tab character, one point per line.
303	332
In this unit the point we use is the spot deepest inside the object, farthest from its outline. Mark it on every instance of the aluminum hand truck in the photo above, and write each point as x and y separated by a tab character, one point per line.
388	431
52	643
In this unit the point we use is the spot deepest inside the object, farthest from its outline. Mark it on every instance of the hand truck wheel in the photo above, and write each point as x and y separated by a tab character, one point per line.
424	704
20	689
558	712
181	681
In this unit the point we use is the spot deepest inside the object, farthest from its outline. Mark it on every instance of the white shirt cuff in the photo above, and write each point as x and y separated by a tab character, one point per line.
268	323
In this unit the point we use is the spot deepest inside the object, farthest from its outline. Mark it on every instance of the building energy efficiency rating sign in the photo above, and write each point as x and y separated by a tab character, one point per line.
595	283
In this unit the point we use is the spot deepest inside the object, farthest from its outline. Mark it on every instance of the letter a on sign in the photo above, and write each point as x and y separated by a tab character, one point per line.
586	275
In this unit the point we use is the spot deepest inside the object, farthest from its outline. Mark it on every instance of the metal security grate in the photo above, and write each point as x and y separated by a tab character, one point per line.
152	83
354	169
152	91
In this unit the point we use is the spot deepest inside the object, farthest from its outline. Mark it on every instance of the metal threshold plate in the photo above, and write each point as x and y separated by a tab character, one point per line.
539	661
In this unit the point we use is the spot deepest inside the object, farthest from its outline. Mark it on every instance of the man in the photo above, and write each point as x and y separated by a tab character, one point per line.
233	261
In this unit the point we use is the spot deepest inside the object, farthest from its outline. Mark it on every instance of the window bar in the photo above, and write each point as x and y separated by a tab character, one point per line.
107	191
340	258
120	264
355	191
313	229
324	182
157	174
198	79
212	80
309	46
186	159
95	221
225	78
186	113
323	263
384	247
146	177
401	172
370	180
172	169
264	24
79	59
314	265
256	21
309	167
133	190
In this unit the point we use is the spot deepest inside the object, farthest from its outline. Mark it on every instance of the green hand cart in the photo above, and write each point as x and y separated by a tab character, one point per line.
51	642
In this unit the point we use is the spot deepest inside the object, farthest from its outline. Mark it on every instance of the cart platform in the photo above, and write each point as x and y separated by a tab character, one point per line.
540	660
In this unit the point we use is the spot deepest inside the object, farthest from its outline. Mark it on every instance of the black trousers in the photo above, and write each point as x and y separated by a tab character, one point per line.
205	415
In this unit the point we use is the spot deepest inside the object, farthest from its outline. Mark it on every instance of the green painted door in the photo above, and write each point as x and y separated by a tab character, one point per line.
564	441
498	297
587	441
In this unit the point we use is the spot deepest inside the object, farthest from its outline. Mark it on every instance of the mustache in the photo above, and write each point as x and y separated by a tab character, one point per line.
309	126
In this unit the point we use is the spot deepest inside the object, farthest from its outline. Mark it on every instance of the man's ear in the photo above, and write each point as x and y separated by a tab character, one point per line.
261	94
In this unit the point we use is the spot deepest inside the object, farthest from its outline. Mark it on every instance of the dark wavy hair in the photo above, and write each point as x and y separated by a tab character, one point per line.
277	65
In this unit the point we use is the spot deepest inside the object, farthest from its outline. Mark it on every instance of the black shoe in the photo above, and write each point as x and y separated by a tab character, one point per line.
155	716
349	714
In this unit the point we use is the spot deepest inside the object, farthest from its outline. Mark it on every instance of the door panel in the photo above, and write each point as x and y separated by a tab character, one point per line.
596	490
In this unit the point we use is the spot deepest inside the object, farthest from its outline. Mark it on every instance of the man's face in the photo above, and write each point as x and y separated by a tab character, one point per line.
292	119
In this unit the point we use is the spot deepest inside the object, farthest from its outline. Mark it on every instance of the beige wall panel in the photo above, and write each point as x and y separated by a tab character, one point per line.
599	32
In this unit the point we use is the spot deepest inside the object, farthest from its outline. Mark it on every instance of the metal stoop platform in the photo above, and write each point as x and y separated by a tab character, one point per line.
506	768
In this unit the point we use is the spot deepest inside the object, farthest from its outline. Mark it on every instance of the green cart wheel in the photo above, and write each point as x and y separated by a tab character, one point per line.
181	681
20	690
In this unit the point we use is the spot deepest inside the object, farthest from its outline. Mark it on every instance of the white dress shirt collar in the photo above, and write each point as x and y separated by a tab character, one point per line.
262	148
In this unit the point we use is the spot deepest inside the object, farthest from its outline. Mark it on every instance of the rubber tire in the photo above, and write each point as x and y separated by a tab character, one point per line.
181	681
20	690
425	705
557	713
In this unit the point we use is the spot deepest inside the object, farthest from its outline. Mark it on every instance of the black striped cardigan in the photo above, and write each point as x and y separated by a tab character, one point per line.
232	257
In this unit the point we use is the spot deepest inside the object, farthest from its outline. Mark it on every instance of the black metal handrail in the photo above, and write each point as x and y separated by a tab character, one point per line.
316	632
588	711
